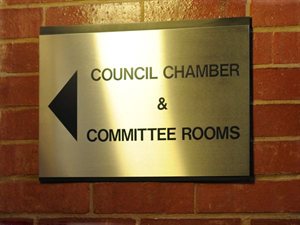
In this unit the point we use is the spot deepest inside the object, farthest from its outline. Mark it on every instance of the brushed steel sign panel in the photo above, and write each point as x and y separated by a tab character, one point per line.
158	101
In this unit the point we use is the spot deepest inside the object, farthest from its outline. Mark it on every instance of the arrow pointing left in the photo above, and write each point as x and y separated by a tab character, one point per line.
64	105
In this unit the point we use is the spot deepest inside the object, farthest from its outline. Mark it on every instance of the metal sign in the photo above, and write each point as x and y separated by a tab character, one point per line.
151	101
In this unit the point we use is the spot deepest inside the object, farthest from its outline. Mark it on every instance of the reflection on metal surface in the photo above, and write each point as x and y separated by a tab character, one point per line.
153	54
167	101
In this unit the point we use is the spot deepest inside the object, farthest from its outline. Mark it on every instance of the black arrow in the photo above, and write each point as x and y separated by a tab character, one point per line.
64	105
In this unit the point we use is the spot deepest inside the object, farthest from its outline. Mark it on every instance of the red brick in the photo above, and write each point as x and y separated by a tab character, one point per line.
193	9
80	221
94	14
18	159
275	222
199	9
19	57
277	157
143	198
276	120
277	84
32	197
11	2
20	23
263	196
275	13
18	124
190	221
56	1
262	48
19	90
18	221
161	10
70	15
286	47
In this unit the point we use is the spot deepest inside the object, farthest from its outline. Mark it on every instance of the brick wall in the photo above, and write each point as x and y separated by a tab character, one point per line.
273	199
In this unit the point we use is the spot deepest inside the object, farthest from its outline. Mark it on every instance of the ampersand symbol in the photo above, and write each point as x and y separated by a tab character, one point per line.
162	105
